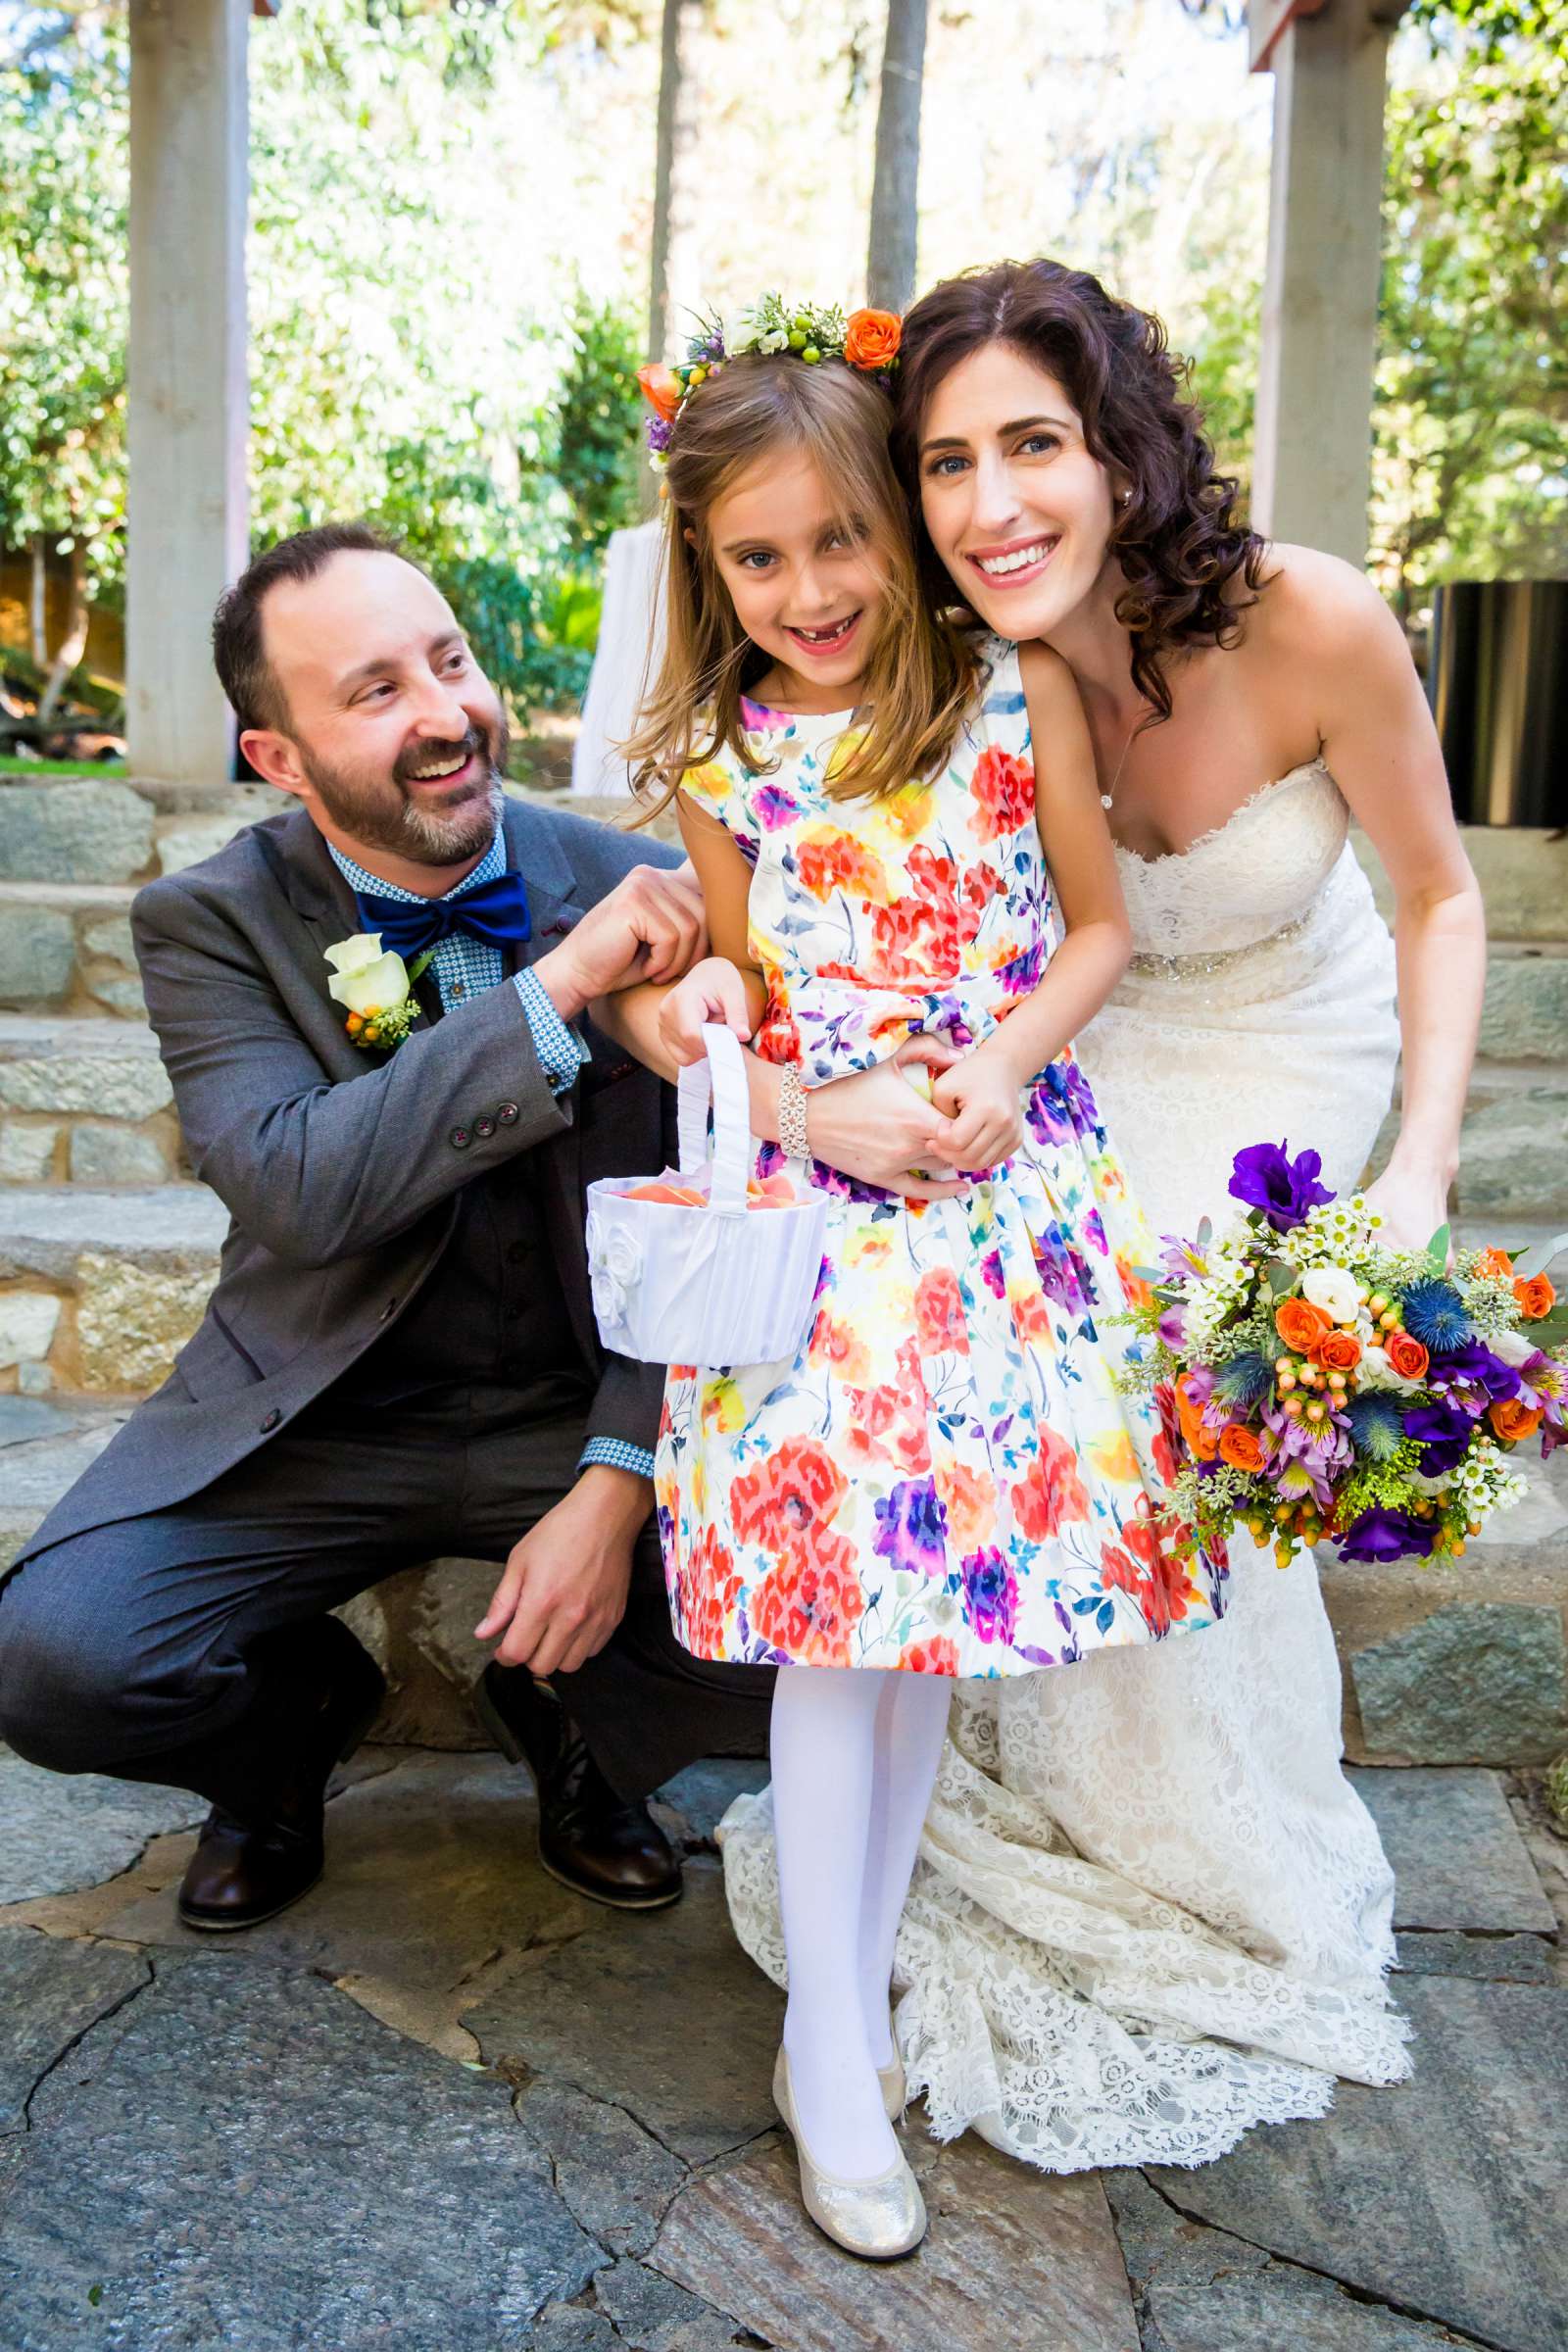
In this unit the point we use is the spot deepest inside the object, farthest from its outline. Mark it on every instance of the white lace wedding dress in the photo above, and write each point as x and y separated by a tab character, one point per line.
1150	1912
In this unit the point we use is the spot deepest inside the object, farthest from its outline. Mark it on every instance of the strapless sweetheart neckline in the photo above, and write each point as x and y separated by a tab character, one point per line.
1253	800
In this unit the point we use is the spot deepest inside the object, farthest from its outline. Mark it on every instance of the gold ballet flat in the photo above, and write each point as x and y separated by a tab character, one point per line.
878	2220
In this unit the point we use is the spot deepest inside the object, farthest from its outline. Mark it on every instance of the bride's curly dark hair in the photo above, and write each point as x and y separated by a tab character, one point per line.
1191	565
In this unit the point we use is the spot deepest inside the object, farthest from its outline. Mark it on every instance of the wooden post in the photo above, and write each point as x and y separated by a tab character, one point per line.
1312	469
186	509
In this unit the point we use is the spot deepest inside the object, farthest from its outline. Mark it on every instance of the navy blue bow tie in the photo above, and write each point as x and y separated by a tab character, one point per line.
496	912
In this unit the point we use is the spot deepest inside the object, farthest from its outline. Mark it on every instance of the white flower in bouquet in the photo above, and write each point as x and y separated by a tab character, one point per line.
1334	1290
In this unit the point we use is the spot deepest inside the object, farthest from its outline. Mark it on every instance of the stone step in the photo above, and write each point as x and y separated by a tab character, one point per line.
1513	1151
99	1290
1525	1016
84	1099
1523	874
66	947
120	830
123	828
1462	1663
111	832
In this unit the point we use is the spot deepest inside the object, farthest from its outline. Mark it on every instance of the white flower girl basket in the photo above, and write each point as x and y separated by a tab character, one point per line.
721	1285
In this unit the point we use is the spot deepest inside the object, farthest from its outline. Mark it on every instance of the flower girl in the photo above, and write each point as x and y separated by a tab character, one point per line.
898	835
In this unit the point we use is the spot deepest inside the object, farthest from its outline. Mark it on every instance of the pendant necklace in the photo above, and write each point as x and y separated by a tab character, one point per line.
1108	798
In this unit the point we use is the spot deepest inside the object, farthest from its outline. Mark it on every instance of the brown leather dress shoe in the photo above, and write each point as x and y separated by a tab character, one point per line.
589	1838
249	1866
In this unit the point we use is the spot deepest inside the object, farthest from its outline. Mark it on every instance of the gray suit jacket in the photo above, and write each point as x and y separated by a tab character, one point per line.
340	1168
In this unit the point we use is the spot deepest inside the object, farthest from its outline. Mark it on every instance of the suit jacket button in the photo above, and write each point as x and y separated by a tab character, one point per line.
459	1139
272	1421
484	1128
507	1114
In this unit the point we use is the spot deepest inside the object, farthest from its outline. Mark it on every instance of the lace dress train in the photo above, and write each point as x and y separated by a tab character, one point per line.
1149	1910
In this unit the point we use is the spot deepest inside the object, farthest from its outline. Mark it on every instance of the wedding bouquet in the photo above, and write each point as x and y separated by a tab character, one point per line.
1316	1384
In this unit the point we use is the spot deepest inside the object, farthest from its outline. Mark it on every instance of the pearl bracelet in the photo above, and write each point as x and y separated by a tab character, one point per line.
792	1133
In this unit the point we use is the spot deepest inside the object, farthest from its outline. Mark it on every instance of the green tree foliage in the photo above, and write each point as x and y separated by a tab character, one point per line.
1471	455
415	357
598	445
63	199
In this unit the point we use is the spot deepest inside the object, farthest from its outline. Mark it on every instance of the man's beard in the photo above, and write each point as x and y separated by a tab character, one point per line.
381	815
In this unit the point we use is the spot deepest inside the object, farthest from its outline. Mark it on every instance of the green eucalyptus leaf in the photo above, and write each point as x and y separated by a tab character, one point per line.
1279	1278
1438	1246
1538	1258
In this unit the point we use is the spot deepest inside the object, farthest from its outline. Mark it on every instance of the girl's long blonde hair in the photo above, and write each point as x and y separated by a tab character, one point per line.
920	673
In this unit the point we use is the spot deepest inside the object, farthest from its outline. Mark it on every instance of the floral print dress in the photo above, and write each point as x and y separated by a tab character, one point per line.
946	1479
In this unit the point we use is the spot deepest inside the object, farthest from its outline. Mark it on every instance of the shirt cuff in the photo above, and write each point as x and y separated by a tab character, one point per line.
615	1453
561	1050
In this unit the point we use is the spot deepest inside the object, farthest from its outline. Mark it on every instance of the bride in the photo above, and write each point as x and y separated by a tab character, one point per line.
1150	1911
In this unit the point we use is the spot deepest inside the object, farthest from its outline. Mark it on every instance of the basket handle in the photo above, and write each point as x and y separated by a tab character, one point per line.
722	1076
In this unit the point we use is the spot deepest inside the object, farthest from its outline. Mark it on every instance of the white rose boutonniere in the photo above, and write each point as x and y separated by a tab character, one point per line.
376	989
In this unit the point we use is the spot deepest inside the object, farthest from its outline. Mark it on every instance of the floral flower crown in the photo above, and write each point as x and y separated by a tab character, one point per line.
868	341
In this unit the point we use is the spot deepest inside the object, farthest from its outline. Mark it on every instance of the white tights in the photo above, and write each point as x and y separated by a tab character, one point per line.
855	1755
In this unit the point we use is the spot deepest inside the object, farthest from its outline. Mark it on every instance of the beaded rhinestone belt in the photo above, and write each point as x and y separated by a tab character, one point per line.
1199	967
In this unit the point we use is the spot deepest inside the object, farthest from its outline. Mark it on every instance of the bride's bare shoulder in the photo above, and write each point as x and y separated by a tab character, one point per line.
1313	603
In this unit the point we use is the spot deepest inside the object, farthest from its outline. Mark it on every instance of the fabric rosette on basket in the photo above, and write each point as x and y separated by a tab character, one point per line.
1316	1385
703	1265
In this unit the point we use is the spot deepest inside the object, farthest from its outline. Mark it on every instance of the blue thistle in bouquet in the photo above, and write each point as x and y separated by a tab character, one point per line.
1318	1386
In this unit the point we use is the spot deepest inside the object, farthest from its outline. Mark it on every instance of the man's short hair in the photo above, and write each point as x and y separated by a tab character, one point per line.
238	650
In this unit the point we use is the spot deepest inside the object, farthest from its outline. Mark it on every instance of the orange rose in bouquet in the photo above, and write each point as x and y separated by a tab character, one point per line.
1512	1419
1301	1325
1407	1356
1239	1447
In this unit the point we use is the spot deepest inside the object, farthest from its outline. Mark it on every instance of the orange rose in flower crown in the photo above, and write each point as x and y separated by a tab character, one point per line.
770	327
661	388
871	339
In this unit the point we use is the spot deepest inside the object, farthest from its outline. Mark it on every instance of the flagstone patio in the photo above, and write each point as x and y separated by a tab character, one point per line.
445	2106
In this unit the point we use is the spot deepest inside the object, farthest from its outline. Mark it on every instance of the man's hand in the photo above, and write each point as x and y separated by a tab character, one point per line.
563	1590
876	1127
650	927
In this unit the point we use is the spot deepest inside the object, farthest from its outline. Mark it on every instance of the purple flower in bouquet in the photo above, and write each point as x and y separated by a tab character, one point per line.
1307	1455
1265	1177
913	1527
1172	1327
1297	1475
1442	1432
990	1591
1544	1387
1385	1534
1471	1376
